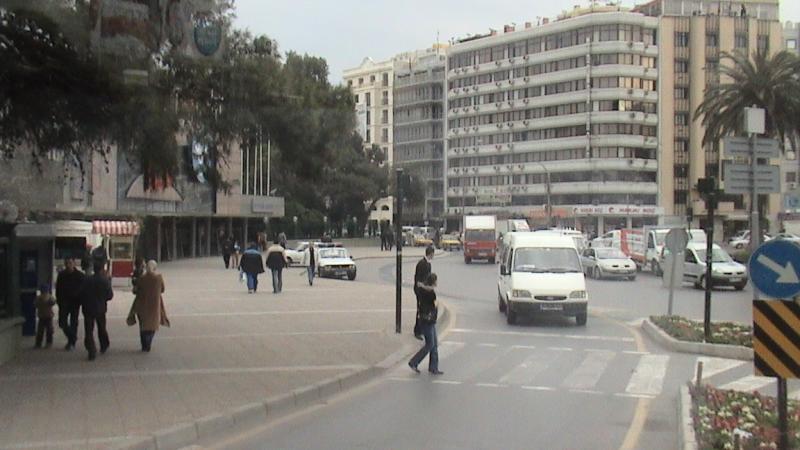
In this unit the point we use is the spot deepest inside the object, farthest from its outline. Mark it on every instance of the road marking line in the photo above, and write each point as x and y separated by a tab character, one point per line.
560	349
544	335
490	385
529	368
179	372
748	383
446	382
280	313
588	373
523	347
447	348
640	396
714	366
539	388
401	379
585	391
487	344
648	377
254	335
632	352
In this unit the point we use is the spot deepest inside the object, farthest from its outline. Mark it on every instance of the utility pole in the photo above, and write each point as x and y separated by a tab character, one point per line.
754	123
398	232
708	188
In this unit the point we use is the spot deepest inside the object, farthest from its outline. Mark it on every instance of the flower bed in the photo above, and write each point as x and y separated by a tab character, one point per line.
683	329
717	413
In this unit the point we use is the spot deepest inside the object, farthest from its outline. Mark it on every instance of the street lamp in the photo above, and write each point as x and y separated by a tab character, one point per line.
547	191
294	219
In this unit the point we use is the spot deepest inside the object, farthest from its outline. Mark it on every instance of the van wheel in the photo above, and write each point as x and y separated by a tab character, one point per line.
580	319
700	283
596	273
467	260
511	316
351	276
491	260
501	305
656	268
739	287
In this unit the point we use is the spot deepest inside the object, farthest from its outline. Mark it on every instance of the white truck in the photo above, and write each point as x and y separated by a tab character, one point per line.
480	238
643	245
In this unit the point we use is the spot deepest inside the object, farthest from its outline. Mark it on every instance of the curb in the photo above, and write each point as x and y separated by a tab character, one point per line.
686	436
253	414
700	348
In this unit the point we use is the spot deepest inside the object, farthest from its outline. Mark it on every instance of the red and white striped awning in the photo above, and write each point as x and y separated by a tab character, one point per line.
115	228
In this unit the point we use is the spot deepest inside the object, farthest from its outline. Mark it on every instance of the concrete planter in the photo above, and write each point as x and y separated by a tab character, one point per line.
699	348
688	440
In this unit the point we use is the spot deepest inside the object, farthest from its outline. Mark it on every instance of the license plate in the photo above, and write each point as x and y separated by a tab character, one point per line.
735	280
552	308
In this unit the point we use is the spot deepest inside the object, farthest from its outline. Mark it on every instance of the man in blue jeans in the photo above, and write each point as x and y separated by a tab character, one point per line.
427	326
252	265
310	261
276	261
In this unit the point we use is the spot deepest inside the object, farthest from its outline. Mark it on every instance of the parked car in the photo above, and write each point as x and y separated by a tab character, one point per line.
295	255
608	263
335	262
450	242
787	237
725	271
742	240
421	237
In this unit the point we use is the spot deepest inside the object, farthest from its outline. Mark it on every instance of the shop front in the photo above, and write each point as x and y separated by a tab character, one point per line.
119	240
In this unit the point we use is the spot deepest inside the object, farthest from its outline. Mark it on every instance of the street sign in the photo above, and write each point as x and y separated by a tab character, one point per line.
773	269
776	338
791	201
740	146
676	240
737	179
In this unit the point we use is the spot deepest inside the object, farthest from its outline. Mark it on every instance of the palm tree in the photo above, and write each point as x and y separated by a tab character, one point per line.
768	82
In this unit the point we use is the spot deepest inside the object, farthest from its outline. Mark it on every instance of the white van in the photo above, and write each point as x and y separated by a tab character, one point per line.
541	273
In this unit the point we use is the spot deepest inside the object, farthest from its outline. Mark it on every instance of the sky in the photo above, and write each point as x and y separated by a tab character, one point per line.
344	32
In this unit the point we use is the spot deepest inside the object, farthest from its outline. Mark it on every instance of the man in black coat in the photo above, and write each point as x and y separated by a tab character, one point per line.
68	285
421	274
95	293
227	250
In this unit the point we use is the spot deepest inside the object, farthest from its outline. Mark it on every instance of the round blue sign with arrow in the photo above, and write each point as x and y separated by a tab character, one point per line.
773	269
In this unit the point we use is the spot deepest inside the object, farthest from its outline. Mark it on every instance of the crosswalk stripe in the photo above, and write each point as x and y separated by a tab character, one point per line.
748	383
648	377
447	348
543	335
539	388
529	368
590	370
714	366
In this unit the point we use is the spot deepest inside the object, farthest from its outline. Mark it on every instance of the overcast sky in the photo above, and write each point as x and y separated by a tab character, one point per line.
344	32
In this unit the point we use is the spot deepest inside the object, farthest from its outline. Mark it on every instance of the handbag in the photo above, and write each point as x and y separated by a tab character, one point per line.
131	320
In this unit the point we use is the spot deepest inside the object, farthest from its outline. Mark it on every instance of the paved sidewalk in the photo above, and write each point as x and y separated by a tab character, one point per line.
226	348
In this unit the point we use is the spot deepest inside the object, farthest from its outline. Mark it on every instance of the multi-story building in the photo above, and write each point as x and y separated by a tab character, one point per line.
419	117
560	116
371	84
692	36
791	37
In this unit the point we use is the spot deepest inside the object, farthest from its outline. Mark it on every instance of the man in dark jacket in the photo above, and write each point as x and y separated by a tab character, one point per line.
421	274
68	285
276	261
227	250
252	264
94	294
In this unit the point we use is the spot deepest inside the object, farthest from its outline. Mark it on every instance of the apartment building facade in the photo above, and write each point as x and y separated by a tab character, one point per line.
791	37
557	122
371	83
419	123
692	38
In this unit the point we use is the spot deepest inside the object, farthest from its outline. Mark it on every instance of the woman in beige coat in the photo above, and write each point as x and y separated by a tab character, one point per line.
149	305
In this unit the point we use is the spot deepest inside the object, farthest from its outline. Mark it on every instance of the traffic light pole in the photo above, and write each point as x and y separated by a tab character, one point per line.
398	227
711	204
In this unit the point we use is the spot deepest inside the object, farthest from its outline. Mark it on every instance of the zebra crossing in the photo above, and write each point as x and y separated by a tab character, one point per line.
619	373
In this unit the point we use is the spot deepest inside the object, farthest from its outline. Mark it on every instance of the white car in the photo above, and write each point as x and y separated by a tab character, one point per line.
742	240
608	263
787	237
335	262
540	274
295	255
724	270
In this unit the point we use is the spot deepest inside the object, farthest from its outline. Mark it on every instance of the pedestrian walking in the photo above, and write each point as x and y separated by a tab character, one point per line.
282	239
276	261
421	273
44	312
383	239
227	250
68	285
390	238
310	260
148	306
252	265
94	294
138	271
427	319
237	252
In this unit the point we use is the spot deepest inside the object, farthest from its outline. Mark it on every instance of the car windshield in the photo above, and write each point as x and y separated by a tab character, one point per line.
546	259
479	235
333	253
660	236
610	253
717	255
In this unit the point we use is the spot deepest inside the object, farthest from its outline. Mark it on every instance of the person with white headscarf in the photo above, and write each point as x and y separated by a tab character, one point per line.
148	306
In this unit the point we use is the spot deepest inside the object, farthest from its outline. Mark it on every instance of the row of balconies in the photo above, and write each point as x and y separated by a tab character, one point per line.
583	187
557	144
572	165
561	121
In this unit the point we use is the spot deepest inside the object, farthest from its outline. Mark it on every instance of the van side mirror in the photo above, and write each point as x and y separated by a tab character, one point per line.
503	270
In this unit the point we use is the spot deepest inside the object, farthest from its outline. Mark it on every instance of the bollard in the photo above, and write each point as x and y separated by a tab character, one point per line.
736	442
699	373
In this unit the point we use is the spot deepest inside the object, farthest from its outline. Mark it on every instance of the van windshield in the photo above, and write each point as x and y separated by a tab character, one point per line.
479	235
546	259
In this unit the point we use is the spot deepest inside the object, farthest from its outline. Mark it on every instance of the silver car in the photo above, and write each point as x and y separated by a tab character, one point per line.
725	271
608	263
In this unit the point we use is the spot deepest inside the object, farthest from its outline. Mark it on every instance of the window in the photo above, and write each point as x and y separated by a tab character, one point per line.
681	39
681	146
791	177
385	135
791	44
385	100
368	98
372	78
681	66
385	117
681	93
360	81
762	43
386	79
681	119
356	97
712	66
368	137
712	40
368	118
350	83
740	40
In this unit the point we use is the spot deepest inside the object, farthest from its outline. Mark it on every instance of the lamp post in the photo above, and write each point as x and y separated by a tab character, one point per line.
294	219
325	225
547	191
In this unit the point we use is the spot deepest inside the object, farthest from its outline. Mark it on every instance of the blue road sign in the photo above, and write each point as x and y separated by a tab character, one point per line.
773	269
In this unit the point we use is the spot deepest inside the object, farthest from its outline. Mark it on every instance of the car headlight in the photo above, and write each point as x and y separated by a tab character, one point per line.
518	293
577	294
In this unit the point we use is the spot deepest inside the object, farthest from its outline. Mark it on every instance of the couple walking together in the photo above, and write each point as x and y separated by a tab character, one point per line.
425	326
252	265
